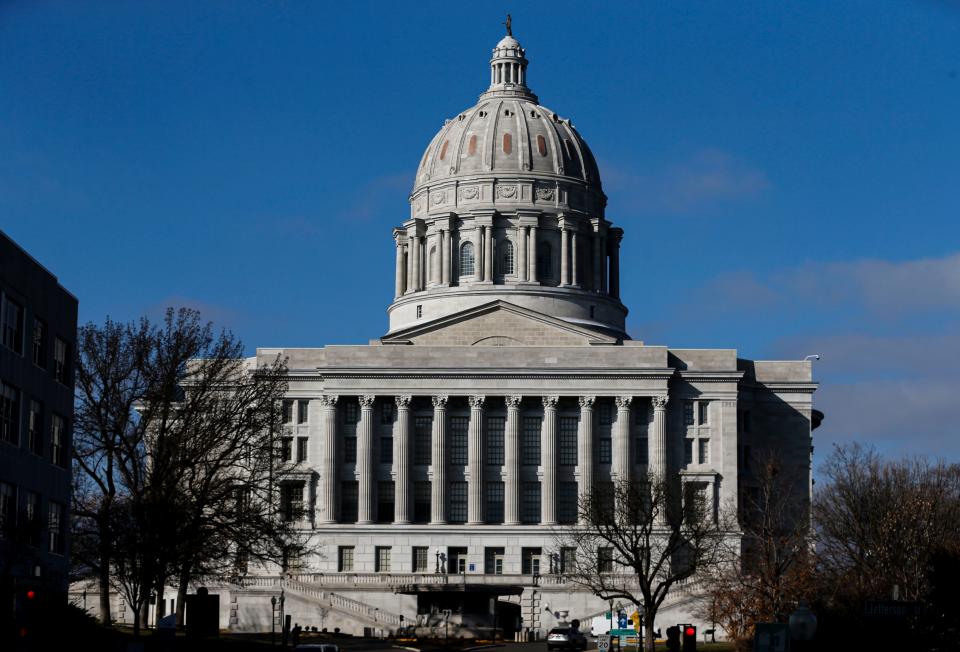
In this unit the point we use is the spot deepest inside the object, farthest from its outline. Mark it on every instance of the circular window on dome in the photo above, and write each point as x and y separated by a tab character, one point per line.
542	145
507	143
443	150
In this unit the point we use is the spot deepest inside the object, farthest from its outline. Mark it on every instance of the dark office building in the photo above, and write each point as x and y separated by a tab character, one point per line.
38	331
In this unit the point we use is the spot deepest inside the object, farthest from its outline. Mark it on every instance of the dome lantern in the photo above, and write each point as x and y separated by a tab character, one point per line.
508	69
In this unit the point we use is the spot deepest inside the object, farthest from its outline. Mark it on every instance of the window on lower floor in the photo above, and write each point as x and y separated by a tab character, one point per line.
688	451
495	438
58	440
568	560
604	450
12	325
567	453
291	501
458	502
459	432
421	559
286	449
303	411
382	559
345	559
8	509
493	561
286	411
530	503
530	442
35	428
350	450
31	515
530	561
494	502
39	340
421	501
9	414
348	501
696	506
605	560
55	527
704	446
385	502
603	501
456	560
567	502
61	361
301	449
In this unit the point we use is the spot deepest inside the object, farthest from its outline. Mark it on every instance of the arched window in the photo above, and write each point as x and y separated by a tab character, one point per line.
431	263
466	259
506	258
544	261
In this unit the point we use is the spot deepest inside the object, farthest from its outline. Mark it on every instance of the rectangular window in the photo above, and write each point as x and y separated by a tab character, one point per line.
58	440
695	500
567	455
421	501
12	325
704	451
291	501
567	502
386	450
350	450
345	559
688	413
35	428
301	449
55	527
10	414
349	490
287	411
61	361
494	502
530	503
422	440
303	411
604	450
421	559
495	439
39	343
458	502
8	509
351	412
456	560
530	442
605	413
641	452
641	414
385	502
605	560
459	433
286	449
530	561
703	408
386	413
568	560
688	451
604	494
32	518
493	561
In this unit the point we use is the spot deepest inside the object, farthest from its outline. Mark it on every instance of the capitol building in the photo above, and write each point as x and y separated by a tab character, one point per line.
445	454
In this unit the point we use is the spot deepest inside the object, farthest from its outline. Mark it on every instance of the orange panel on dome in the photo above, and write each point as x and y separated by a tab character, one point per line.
507	143
443	150
472	146
542	145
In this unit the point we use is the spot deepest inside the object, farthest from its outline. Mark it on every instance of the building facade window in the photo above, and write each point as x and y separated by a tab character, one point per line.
641	454
604	450
291	501
386	449
605	413
605	560
467	260
350	450
421	559
568	560
12	325
385	501
458	502
704	446
422	433
35	428
457	560
39	343
494	506
386	413
507	258
301	449
567	453
61	361
351	412
58	440
530	503
544	261
459	434
349	492
9	414
493	561
530	442
696	505
31	514
55	528
567	502
345	559
286	449
8	509
495	440
688	451
287	411
530	560
421	501
303	411
703	412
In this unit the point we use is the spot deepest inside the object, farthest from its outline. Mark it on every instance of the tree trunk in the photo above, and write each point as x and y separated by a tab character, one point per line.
648	636
137	610
104	571
182	585
159	610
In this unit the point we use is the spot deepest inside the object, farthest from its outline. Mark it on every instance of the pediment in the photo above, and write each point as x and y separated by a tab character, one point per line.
498	323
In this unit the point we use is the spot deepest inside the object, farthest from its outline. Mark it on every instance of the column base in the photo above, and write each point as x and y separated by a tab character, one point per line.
404	522
438	522
364	522
512	523
476	522
327	522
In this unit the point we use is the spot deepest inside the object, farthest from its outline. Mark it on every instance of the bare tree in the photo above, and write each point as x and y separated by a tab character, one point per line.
637	541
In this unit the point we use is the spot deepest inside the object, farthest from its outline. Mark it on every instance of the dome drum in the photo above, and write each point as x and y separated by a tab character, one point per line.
548	194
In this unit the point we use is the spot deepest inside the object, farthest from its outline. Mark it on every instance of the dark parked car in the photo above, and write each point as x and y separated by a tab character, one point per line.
566	638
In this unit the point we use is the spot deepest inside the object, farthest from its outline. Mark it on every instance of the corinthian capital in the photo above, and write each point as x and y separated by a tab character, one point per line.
477	401
367	400
550	401
660	402
624	401
402	400
587	401
328	400
440	401
513	401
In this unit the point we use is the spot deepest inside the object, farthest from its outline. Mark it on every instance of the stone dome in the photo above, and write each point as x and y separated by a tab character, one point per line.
507	205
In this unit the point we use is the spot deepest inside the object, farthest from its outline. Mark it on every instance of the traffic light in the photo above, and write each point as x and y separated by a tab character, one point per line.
689	638
673	639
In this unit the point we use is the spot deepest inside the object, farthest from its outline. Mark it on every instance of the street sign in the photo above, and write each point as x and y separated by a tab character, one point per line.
603	643
622	620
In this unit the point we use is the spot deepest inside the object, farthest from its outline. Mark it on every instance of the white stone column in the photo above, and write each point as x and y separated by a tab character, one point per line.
417	274
365	460
657	442
488	255
564	255
511	484
603	265
585	453
445	257
548	461
574	272
621	440
475	462
597	262
617	235
532	263
398	289
401	461
438	480
328	459
522	253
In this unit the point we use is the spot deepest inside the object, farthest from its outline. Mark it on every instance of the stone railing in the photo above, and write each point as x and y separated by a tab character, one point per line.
343	603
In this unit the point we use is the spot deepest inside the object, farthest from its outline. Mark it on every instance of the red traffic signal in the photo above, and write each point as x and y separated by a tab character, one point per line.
691	631
31	594
689	638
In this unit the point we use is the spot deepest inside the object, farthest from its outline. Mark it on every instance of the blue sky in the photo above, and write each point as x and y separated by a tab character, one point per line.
787	174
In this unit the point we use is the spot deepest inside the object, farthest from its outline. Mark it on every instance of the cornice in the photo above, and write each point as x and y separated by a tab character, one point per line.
493	374
710	376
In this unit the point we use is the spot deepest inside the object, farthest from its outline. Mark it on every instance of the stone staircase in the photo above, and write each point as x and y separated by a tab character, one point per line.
341	603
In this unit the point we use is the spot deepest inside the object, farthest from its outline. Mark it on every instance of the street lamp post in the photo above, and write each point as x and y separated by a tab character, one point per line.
283	620
273	620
